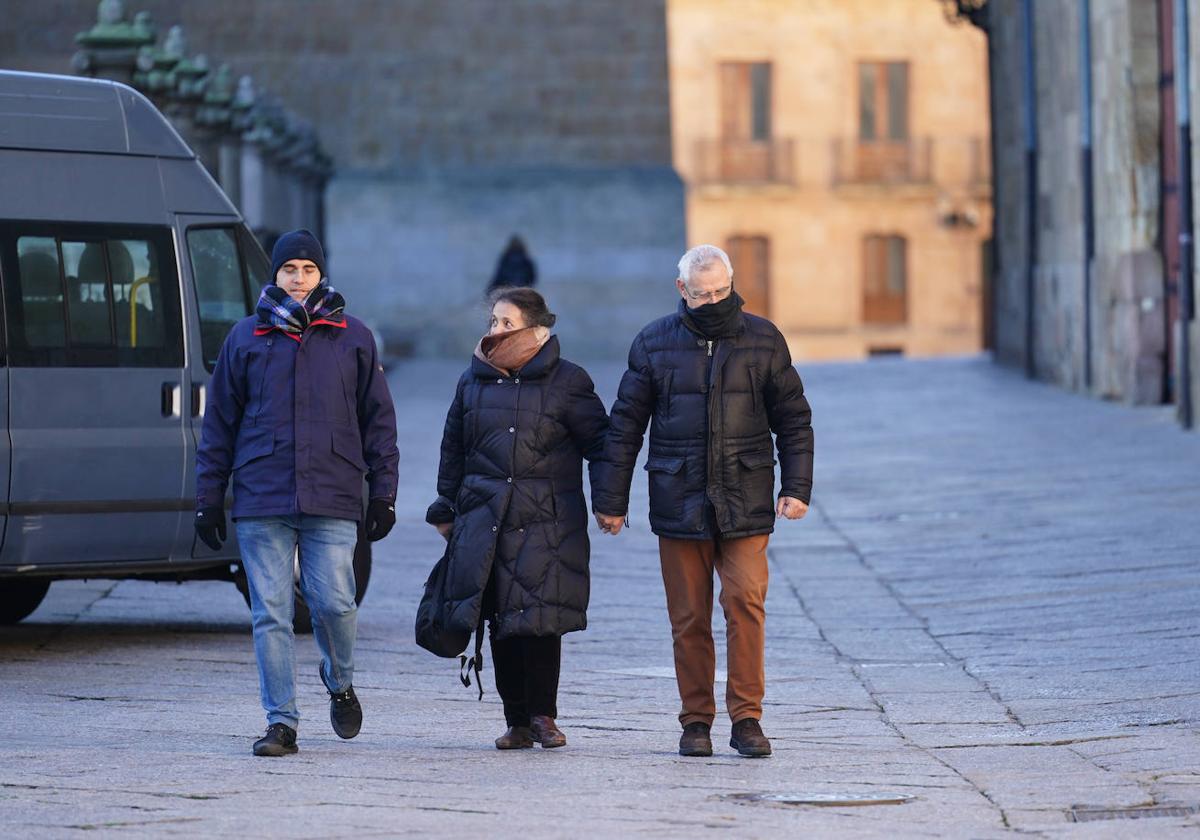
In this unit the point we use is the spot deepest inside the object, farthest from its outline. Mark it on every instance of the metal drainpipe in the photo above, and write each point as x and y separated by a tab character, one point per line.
1085	163
1186	255
1031	183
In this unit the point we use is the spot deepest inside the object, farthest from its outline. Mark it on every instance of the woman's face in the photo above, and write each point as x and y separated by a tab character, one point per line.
506	317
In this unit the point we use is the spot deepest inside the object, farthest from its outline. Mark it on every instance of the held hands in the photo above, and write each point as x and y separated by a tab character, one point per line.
610	524
790	508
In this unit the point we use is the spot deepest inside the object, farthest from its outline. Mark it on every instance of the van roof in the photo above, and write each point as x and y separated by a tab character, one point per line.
73	114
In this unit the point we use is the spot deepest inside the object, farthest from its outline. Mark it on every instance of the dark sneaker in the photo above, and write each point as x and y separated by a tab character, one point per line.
748	739
516	738
696	739
345	712
279	740
546	732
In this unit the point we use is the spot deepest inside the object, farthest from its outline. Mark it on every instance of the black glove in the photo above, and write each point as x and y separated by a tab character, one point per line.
210	526
381	516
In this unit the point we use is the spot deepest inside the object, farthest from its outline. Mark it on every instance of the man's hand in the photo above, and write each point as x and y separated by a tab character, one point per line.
610	524
444	528
790	508
381	516
210	526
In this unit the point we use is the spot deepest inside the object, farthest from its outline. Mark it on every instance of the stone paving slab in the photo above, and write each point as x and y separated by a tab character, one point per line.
992	609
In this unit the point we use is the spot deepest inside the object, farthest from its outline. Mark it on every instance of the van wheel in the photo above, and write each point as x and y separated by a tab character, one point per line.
19	598
302	619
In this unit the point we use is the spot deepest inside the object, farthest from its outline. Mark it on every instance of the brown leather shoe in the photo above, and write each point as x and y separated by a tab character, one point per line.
696	740
546	732
515	738
748	739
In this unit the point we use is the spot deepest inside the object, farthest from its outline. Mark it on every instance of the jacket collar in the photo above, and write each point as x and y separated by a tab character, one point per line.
538	366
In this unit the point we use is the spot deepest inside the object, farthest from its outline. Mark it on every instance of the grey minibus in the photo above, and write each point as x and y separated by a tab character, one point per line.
122	267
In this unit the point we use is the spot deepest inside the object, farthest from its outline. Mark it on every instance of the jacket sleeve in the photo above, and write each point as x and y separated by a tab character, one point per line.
626	432
453	462
377	424
790	417
587	421
222	418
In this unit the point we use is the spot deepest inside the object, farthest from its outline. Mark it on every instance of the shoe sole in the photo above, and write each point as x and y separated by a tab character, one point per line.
696	752
275	752
749	752
552	746
528	746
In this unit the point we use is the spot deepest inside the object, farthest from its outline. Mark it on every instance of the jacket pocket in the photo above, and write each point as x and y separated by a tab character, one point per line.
667	490
757	483
755	388
349	447
257	443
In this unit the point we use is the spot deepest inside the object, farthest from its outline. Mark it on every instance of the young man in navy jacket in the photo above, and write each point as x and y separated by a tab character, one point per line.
298	411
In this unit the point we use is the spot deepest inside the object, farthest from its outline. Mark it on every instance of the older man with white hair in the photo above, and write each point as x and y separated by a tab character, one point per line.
716	382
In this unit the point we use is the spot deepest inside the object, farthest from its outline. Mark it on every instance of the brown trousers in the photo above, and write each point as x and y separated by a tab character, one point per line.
687	570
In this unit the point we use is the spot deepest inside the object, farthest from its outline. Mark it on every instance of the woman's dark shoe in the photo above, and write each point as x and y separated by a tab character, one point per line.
516	738
748	739
345	712
546	733
279	740
696	739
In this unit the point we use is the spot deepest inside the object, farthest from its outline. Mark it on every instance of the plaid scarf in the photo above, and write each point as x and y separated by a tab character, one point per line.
277	310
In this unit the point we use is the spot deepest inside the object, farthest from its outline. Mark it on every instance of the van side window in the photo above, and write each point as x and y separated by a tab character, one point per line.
228	272
91	296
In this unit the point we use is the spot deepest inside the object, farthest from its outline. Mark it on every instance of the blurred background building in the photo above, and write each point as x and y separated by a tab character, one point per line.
1092	193
838	149
452	126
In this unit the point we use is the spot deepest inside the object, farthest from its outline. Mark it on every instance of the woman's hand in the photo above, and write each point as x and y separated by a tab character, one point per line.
610	524
444	528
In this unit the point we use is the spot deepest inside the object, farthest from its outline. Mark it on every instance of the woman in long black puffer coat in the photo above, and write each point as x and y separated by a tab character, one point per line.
511	503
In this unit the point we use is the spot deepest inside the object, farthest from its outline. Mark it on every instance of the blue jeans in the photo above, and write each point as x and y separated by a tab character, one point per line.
326	551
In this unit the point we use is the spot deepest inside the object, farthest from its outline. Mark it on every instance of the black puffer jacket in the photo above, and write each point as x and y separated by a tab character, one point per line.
714	406
511	481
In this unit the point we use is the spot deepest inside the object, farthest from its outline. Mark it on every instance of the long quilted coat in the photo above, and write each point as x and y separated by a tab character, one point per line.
511	481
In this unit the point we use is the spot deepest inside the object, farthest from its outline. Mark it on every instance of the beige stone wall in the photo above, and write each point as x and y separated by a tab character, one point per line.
816	229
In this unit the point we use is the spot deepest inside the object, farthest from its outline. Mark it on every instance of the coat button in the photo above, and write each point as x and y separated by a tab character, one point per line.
511	429
699	342
499	381
517	380
521	530
495	528
509	479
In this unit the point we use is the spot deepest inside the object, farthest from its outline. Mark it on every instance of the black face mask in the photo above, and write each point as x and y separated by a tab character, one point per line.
716	320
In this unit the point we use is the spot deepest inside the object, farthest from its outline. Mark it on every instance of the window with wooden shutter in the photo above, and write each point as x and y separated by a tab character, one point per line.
751	272
745	148
883	148
885	279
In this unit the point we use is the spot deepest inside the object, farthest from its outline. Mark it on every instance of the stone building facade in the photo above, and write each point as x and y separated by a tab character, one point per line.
452	126
1086	191
838	149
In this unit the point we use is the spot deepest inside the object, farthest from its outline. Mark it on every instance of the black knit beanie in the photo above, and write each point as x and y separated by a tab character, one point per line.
297	245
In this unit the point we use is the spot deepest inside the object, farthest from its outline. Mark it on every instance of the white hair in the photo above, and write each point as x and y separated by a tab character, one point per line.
700	258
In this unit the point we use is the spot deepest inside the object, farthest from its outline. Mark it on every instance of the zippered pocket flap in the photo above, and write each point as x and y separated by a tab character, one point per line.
667	465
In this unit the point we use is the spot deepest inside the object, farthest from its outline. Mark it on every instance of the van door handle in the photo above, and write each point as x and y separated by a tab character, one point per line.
171	399
197	399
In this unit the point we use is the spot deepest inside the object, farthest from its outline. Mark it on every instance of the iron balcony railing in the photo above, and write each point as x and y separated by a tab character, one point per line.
882	161
725	161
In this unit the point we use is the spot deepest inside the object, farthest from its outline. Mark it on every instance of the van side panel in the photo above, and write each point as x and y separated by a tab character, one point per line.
188	188
81	187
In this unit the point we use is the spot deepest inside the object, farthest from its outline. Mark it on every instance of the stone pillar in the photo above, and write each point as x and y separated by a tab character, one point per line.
109	49
1129	292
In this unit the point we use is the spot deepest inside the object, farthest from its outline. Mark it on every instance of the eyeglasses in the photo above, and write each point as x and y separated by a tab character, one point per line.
713	296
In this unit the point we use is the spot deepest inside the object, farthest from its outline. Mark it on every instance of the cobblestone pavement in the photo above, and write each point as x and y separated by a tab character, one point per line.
992	609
